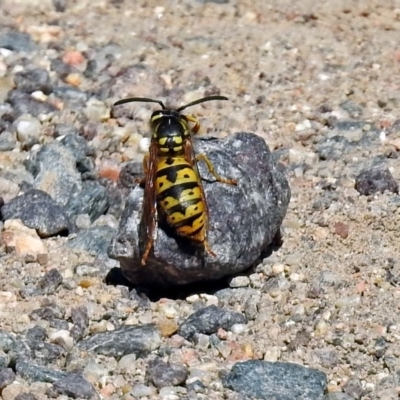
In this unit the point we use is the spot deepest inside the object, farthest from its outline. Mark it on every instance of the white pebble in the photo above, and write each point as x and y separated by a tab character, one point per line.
238	328
239	281
61	337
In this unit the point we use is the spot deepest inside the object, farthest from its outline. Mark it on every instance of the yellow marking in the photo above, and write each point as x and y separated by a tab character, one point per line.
169	202
187	230
176	149
164	149
178	140
190	194
162	141
189	212
162	183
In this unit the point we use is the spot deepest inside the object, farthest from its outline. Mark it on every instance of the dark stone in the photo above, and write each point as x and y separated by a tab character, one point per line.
208	320
92	200
33	80
333	148
338	396
37	334
52	311
354	109
376	178
94	240
31	292
65	130
164	374
244	219
24	103
7	141
37	373
17	41
7	377
353	387
139	340
71	95
46	353
60	5
59	324
80	320
73	385
197	386
51	281
14	347
55	172
276	381
37	210
79	147
25	396
131	174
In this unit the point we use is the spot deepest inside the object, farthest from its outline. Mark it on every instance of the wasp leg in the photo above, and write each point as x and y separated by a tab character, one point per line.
219	178
195	121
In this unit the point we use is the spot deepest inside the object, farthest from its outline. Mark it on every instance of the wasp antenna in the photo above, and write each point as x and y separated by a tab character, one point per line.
209	98
139	99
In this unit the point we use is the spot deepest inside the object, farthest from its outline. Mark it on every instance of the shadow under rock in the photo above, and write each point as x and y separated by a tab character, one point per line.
115	277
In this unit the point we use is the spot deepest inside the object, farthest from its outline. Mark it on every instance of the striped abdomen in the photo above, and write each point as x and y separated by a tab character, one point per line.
179	195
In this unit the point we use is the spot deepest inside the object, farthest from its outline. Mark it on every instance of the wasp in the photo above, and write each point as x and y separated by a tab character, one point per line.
173	188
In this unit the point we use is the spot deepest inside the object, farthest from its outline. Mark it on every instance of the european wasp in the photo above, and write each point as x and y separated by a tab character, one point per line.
173	188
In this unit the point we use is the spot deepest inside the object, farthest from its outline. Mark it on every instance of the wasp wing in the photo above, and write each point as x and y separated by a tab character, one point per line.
149	215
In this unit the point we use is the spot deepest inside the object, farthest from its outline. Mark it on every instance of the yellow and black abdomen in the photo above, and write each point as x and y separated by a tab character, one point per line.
179	196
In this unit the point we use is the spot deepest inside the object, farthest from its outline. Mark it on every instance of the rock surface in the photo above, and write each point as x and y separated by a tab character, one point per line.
264	380
243	219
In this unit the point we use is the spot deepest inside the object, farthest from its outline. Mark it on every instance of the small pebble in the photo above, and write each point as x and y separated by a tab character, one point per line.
239	281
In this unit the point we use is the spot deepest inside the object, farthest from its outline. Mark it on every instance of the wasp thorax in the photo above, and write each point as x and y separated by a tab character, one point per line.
169	130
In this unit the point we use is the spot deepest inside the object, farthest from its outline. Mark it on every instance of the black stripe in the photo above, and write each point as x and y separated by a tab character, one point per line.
171	172
188	221
181	208
176	190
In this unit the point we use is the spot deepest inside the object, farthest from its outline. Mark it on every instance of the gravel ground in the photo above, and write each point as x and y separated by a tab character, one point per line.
318	81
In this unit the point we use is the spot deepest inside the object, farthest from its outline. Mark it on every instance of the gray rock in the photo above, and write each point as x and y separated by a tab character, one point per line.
36	334
376	178
80	319
46	353
55	171
208	320
94	240
24	103
353	387
79	147
333	148
338	396
37	373
7	377
65	130
17	41
25	396
49	312
276	381
91	200
164	374
7	141
244	219
139	340
51	281
60	5
33	80
73	385
37	210
354	109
